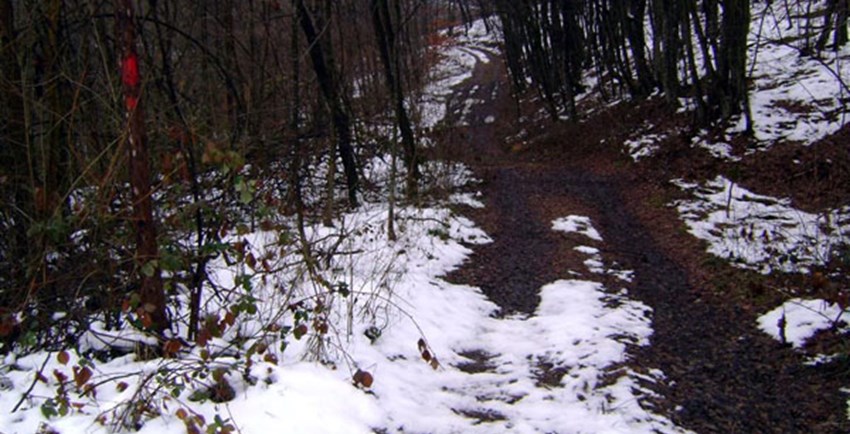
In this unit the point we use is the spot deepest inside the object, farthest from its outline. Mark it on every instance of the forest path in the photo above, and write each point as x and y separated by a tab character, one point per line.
720	373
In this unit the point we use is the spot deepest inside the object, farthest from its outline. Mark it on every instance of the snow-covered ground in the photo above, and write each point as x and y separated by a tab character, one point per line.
797	99
793	97
381	348
797	320
456	61
768	235
391	284
760	232
643	146
577	330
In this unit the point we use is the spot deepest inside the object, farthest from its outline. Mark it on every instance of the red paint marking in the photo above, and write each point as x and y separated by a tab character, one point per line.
131	102
130	77
130	70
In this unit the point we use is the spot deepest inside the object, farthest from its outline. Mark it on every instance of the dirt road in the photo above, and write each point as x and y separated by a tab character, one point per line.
722	374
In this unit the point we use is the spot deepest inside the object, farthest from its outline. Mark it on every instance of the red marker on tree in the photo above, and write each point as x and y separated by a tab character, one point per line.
131	80
152	297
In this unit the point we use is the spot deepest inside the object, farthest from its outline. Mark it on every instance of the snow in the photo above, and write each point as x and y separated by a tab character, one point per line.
308	393
760	232
571	329
719	150
577	224
594	263
467	199
98	337
581	328
643	146
643	142
847	391
802	319
794	97
576	330
306	397
457	61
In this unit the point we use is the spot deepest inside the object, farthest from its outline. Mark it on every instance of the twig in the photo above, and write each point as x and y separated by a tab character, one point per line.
425	219
32	386
729	199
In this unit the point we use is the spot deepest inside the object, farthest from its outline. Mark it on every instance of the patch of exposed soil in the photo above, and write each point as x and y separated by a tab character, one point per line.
817	176
482	416
722	374
478	362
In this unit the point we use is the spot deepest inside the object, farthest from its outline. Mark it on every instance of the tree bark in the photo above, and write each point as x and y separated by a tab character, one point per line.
733	57
667	46
637	42
151	293
327	83
385	33
841	12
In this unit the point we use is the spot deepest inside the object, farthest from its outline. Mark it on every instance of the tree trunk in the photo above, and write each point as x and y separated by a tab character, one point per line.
637	42
841	12
151	292
385	33
828	18
327	83
667	45
733	57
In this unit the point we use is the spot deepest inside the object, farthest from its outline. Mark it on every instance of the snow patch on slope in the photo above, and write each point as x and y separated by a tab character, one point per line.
760	232
797	320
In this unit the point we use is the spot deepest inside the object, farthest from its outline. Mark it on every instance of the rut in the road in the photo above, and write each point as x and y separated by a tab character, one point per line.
511	269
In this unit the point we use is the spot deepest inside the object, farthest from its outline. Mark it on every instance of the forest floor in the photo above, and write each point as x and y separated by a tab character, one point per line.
721	374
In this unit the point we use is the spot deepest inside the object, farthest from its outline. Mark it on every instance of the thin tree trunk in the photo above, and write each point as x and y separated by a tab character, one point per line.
199	273
637	42
828	18
391	235
151	292
328	86
385	33
665	14
841	12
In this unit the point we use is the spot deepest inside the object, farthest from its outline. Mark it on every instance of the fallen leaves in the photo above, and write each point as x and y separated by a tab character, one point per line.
363	379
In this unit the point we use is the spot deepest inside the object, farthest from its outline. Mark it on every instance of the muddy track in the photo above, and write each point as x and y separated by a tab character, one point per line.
723	375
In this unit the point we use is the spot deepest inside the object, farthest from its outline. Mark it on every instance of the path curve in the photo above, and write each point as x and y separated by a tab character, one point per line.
722	374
